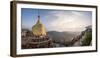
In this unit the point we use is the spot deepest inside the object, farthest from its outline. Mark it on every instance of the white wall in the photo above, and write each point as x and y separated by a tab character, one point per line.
5	29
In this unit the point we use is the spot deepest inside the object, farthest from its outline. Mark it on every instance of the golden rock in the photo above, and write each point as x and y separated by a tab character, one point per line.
38	29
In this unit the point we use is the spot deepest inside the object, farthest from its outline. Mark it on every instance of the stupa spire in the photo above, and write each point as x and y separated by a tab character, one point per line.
38	19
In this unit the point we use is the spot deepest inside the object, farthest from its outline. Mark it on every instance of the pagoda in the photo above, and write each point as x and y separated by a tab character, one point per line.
39	38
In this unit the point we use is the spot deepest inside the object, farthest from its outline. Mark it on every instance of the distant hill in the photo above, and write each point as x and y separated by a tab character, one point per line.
62	37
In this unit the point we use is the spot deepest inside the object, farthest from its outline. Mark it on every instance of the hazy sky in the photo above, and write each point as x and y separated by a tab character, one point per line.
57	20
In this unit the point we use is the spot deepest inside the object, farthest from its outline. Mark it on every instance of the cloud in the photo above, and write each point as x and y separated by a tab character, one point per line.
68	20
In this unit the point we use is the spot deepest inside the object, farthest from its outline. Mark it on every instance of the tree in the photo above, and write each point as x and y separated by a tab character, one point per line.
87	39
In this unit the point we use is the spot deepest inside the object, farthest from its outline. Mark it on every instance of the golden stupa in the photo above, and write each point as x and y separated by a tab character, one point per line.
38	29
